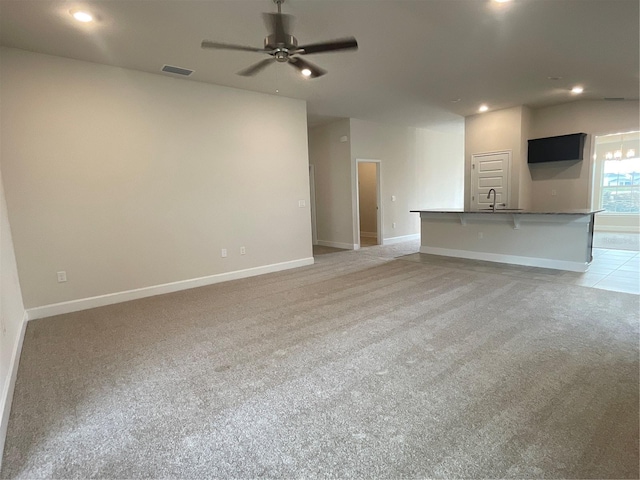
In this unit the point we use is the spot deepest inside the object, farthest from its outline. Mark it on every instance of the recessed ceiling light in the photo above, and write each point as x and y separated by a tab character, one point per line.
501	1
483	108
82	16
306	72
577	90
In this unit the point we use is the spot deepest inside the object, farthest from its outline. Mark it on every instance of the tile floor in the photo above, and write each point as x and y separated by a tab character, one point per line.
617	270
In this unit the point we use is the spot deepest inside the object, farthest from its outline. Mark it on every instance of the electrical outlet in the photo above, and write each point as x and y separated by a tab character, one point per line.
553	193
243	250
302	203
223	253
62	276
393	198
480	235
393	225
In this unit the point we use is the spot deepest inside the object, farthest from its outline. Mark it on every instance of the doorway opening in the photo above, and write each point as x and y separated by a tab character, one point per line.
369	223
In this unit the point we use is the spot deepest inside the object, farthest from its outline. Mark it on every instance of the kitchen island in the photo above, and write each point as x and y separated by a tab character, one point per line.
559	240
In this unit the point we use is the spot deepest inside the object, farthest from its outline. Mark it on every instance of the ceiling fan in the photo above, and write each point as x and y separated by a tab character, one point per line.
283	47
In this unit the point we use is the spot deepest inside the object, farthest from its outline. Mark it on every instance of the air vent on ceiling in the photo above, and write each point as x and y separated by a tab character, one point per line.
185	72
614	99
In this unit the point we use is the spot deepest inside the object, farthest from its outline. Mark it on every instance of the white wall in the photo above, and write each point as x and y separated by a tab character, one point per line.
127	180
12	320
331	160
572	180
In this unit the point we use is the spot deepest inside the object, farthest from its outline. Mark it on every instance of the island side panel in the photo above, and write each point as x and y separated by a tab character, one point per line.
545	240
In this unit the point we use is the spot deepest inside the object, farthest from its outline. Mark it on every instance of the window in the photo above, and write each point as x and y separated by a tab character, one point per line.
617	173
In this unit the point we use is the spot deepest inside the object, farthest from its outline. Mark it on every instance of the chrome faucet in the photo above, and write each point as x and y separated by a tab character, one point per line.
494	198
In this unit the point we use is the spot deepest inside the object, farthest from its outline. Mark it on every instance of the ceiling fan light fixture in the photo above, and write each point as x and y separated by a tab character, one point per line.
81	16
577	90
281	55
305	72
483	108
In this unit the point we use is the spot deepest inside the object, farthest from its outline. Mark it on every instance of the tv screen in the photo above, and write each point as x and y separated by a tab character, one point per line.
555	149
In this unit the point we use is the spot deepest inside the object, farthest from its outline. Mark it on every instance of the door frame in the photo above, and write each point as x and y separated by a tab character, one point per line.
474	173
312	203
356	201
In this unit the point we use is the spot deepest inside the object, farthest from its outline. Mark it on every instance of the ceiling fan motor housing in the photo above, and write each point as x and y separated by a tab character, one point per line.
270	43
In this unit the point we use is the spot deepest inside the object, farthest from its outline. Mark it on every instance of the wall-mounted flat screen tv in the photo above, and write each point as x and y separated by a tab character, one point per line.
556	149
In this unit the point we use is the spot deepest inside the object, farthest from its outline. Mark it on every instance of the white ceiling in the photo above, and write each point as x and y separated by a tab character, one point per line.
416	57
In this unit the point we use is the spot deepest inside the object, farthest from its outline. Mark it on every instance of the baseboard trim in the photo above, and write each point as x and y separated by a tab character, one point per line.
346	246
616	229
9	387
119	297
369	234
512	259
403	238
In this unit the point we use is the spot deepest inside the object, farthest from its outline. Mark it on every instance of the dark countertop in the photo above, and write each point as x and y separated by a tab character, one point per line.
579	211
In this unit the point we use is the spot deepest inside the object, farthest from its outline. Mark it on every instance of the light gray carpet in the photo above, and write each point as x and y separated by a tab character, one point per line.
361	366
322	250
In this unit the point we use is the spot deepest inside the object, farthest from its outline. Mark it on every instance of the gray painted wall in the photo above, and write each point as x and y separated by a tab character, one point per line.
331	158
572	180
495	131
11	316
126	179
533	185
421	168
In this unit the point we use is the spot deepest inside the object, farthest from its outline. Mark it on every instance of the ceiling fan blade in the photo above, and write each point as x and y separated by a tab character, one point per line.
300	64
229	46
278	24
348	43
256	67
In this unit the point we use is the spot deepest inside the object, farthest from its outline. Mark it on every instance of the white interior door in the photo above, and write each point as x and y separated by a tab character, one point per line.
490	170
